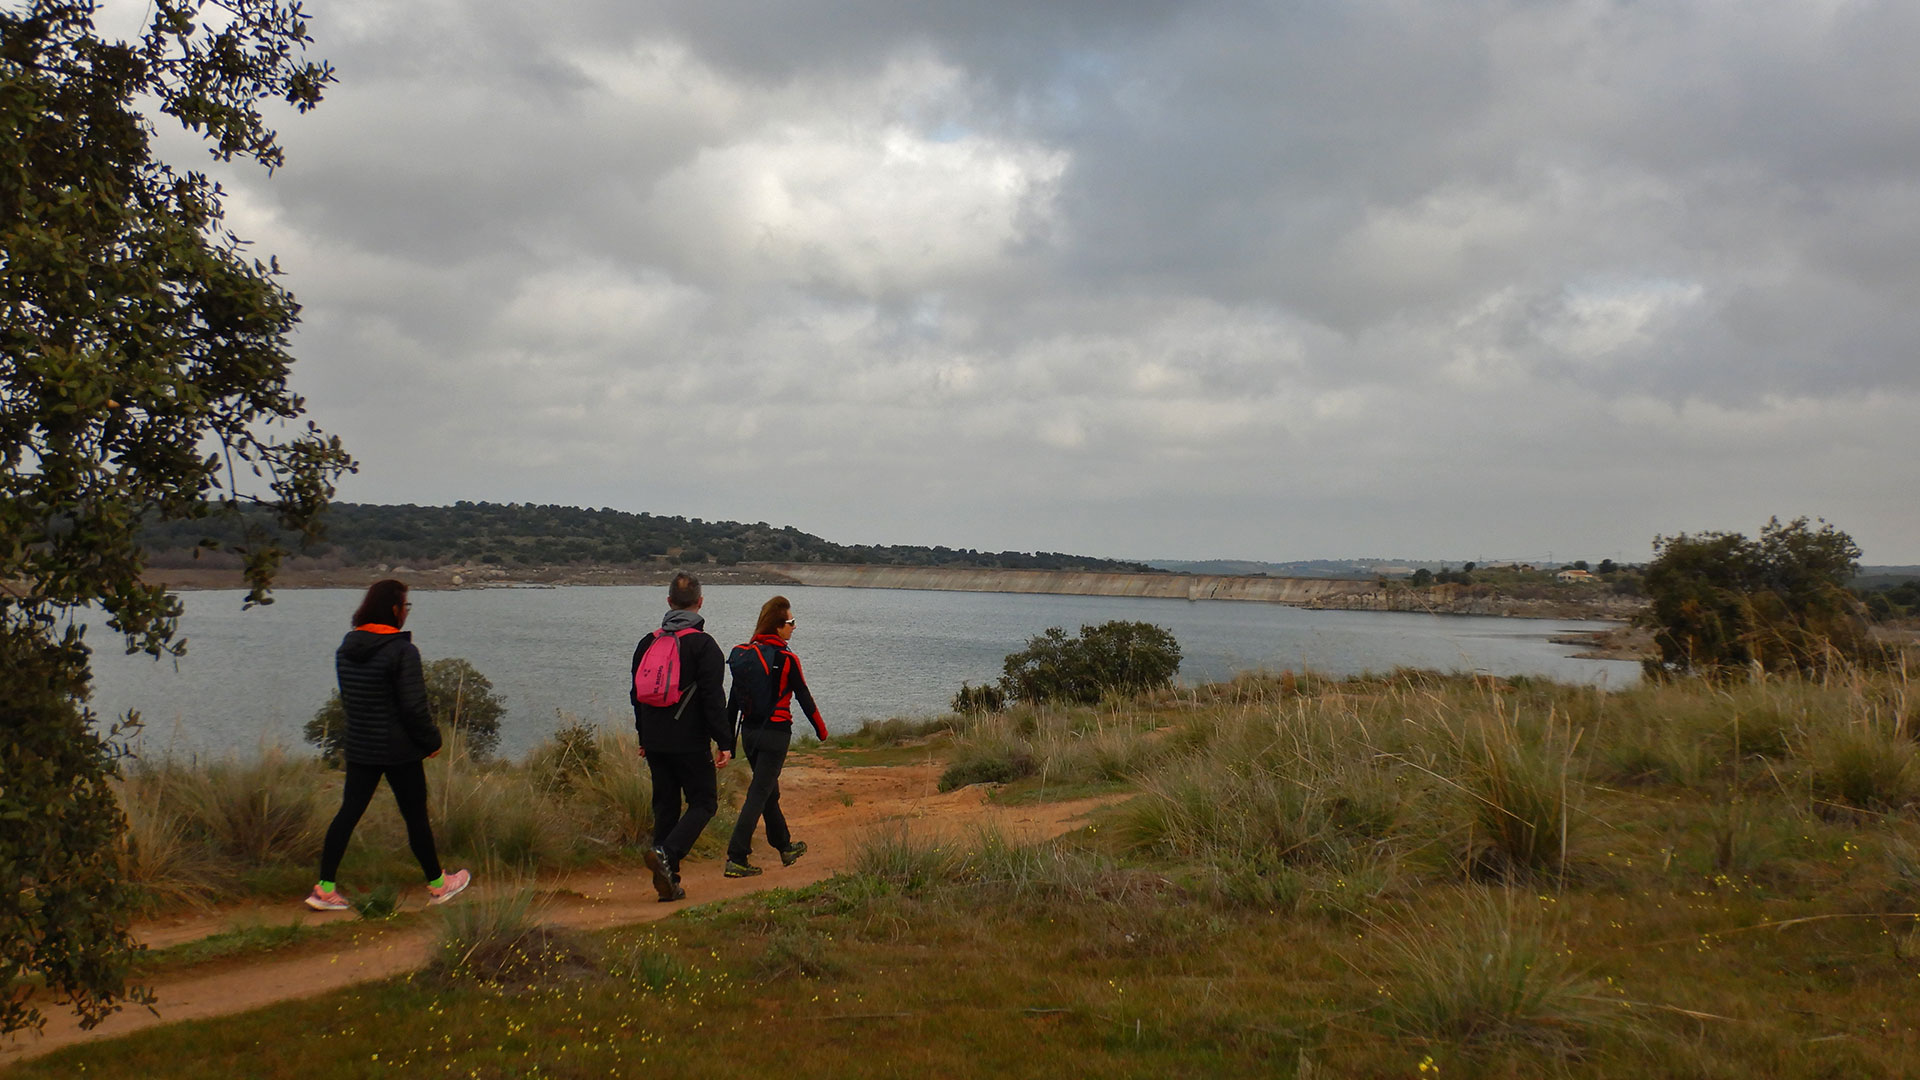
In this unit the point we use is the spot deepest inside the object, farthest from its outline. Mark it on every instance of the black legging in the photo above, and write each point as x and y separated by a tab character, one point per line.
409	784
766	749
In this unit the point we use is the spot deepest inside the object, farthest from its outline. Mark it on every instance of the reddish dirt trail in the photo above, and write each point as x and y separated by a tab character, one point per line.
828	805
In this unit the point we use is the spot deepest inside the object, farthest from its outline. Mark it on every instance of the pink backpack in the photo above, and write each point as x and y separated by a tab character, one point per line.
657	680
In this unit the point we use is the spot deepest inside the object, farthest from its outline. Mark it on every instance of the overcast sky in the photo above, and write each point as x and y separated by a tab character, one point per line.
1464	279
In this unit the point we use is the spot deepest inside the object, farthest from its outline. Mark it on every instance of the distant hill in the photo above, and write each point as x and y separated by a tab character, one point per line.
1881	577
368	534
1306	568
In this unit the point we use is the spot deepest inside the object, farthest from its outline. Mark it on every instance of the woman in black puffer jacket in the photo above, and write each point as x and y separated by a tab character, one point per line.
391	733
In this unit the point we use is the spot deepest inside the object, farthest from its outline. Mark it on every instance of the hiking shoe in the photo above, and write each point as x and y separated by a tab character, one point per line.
742	869
451	886
326	901
793	852
662	869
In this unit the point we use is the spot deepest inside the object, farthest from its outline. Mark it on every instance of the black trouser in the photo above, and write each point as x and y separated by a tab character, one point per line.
409	784
676	776
766	748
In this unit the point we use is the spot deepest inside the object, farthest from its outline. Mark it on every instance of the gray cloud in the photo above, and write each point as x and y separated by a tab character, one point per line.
1461	280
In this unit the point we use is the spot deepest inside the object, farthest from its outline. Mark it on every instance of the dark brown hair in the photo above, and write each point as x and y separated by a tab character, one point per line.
384	601
772	614
684	592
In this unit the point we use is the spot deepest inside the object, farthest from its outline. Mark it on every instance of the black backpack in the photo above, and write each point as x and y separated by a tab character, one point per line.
758	680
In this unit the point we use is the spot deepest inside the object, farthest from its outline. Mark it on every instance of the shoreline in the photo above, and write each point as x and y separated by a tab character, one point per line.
1320	594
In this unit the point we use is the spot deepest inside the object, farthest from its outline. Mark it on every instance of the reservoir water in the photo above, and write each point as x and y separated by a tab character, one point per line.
252	679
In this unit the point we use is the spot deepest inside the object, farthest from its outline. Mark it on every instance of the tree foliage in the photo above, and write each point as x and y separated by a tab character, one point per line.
143	369
1722	603
1113	658
360	534
461	699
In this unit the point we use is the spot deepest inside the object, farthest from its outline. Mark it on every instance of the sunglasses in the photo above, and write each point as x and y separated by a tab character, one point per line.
791	622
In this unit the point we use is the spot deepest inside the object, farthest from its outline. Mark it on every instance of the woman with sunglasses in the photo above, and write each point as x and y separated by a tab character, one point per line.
391	733
764	739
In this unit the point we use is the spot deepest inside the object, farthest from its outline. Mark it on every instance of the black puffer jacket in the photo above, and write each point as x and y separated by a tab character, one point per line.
388	722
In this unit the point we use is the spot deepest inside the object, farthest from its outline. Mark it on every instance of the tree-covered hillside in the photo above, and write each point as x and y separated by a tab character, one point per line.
517	534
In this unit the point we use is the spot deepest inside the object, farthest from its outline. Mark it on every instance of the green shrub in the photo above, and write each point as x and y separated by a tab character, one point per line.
461	700
1112	658
569	755
986	698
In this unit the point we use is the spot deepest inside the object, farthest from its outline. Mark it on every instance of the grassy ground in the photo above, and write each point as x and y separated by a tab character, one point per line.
1407	875
211	832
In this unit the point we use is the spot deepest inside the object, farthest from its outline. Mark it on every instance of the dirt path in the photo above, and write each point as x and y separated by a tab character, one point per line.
828	805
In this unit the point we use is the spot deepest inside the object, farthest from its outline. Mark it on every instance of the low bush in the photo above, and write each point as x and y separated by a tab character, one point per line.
564	758
986	698
460	698
1120	658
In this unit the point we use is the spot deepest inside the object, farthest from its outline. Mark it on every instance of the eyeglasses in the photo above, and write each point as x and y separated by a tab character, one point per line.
791	622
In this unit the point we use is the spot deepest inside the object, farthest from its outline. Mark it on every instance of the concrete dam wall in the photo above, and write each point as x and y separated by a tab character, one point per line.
1270	590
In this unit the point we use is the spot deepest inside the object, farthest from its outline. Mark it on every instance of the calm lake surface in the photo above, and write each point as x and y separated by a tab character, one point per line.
252	679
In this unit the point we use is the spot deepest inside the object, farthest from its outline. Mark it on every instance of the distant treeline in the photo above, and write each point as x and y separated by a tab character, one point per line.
517	534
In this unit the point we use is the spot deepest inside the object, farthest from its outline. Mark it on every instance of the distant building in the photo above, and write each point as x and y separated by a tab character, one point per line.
1572	577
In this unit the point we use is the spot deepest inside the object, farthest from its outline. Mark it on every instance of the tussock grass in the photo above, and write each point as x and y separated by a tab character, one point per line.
161	856
896	858
1496	974
1520	797
253	810
898	731
497	939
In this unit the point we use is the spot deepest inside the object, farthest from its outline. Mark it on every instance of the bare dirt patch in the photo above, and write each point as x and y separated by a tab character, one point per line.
830	805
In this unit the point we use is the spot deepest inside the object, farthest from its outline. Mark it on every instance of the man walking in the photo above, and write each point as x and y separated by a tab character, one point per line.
674	737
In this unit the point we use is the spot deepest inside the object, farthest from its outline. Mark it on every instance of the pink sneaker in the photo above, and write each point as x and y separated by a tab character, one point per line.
451	886
326	901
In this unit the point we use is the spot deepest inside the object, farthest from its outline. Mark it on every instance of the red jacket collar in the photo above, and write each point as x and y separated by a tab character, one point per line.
378	628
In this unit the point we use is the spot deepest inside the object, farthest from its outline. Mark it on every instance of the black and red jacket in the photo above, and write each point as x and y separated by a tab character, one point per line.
789	682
